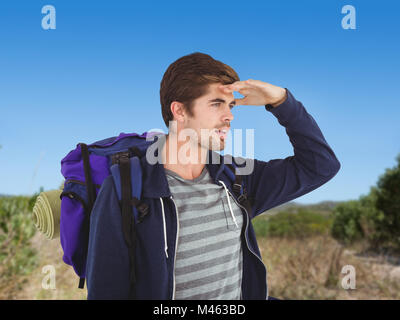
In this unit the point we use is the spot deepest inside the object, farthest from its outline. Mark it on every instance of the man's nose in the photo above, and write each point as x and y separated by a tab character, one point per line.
228	116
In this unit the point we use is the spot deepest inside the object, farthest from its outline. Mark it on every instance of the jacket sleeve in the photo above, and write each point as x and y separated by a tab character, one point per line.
107	268
281	180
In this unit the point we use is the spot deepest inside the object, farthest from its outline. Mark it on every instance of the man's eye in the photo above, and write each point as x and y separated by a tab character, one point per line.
218	103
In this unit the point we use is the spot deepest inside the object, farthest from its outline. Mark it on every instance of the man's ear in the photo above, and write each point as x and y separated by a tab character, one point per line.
178	111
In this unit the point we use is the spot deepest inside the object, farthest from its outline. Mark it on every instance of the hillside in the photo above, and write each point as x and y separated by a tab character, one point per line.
323	207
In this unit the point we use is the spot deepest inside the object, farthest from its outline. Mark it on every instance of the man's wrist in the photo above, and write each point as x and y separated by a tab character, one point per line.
280	100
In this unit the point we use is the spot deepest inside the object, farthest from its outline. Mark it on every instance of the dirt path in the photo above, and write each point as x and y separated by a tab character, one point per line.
66	281
382	266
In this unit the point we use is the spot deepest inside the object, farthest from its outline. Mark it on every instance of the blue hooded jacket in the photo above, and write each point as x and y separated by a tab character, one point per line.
269	184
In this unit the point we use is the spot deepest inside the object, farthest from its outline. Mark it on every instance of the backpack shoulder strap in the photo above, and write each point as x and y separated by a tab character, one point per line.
91	196
127	174
238	187
90	187
129	182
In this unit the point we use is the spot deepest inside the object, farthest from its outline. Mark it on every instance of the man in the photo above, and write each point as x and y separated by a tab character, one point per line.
197	241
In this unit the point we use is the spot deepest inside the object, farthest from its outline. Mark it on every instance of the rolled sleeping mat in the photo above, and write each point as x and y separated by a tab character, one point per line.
46	213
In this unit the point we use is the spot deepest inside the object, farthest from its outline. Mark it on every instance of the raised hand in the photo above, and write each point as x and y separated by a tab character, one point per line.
256	92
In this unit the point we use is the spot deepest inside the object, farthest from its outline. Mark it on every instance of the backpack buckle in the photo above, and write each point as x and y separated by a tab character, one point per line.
236	188
143	209
141	206
241	198
117	157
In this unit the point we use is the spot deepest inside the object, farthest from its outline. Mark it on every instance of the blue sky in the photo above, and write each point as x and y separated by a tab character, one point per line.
98	74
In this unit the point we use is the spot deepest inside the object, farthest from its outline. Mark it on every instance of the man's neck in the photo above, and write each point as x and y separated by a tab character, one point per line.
184	159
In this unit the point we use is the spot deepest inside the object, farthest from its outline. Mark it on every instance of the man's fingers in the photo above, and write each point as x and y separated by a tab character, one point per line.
236	86
241	102
225	89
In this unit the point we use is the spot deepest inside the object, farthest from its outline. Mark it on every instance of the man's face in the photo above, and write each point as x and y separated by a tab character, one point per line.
212	113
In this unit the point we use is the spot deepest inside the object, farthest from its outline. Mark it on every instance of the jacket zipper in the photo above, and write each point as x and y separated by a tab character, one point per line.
164	229
176	246
245	236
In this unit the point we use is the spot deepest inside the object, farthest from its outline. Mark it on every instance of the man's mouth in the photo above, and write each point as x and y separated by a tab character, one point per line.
222	132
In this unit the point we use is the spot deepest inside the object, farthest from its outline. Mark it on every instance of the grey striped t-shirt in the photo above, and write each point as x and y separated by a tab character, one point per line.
209	254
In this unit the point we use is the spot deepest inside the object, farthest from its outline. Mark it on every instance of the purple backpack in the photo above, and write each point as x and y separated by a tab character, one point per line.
84	170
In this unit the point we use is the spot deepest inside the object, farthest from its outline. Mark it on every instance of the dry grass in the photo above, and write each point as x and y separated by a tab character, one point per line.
311	269
66	281
297	269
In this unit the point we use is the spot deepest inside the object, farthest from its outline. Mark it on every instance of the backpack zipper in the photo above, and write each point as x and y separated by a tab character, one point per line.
80	182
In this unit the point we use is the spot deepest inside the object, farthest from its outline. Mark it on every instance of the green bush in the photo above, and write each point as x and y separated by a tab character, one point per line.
371	219
16	230
260	226
346	227
387	201
359	219
302	224
374	217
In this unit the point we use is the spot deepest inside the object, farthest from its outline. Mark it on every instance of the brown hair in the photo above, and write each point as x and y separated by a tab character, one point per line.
188	78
